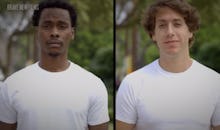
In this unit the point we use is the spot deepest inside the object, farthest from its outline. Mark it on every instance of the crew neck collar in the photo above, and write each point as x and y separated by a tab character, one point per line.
167	73
50	72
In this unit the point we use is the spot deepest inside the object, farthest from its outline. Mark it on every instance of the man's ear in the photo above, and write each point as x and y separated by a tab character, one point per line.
73	32
153	37
190	35
36	31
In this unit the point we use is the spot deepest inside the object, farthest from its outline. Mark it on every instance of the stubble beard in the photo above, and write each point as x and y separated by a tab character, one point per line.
54	55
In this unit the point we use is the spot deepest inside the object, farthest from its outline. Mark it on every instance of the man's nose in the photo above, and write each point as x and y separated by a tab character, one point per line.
54	32
170	30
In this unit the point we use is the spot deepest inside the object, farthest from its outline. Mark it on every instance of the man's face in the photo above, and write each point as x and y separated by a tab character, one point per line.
171	33
54	31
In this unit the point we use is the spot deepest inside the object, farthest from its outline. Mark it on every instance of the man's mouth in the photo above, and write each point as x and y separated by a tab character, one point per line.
171	41
54	43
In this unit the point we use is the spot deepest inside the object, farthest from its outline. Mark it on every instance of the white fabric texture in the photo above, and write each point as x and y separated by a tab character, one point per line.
40	100
155	99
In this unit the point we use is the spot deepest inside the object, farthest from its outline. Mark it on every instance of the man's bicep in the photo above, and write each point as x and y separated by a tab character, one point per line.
6	126
7	111
124	126
103	126
126	110
216	127
98	109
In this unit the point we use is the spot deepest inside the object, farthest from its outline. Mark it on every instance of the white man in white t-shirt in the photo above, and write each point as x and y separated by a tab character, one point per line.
174	92
54	93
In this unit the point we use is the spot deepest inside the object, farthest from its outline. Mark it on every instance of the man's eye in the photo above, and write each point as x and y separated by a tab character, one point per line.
162	25
45	26
177	24
62	26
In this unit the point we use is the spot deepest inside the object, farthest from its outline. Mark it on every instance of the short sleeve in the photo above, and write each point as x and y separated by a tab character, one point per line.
7	113
125	103
216	114
98	106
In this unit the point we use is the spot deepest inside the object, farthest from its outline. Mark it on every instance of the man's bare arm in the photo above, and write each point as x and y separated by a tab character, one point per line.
124	126
216	127
103	126
5	126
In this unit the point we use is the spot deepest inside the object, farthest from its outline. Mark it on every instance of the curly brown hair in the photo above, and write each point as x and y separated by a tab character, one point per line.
189	13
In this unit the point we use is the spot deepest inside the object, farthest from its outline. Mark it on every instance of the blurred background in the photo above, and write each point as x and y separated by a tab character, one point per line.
92	47
134	48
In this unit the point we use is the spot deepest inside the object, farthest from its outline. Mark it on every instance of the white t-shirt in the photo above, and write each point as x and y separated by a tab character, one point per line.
40	100
155	99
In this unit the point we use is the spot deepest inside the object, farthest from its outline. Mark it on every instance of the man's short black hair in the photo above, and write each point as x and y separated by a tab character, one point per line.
54	4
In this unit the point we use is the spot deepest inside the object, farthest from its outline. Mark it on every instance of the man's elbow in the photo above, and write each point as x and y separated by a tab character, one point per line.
6	126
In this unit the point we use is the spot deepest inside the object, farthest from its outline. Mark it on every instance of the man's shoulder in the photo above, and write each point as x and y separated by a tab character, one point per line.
146	71
87	79
203	69
82	72
206	74
26	71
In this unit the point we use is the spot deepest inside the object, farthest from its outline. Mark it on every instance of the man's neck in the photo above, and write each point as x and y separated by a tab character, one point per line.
174	64
54	64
